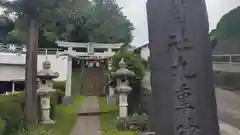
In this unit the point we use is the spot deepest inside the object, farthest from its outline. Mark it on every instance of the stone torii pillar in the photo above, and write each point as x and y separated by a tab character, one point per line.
67	100
183	98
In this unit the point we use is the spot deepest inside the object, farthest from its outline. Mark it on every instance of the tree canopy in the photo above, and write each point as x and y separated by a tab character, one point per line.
6	25
76	21
228	27
133	61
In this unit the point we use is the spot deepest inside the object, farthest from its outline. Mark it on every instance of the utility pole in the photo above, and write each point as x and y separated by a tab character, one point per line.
31	100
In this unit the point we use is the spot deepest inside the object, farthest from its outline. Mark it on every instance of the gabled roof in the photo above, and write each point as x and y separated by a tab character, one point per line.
143	46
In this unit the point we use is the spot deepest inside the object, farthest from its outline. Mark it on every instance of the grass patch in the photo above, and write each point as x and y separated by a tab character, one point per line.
108	117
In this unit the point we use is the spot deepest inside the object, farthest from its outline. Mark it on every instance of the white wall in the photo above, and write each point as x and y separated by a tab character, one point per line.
145	53
12	67
11	58
12	72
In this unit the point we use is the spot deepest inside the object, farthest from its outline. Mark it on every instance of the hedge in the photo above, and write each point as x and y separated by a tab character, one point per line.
12	113
2	126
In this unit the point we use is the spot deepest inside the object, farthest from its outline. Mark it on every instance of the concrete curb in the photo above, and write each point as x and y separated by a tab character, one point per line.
226	129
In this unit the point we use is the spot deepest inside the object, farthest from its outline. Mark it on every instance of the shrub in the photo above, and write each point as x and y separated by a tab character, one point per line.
121	124
137	122
59	85
12	112
60	90
2	126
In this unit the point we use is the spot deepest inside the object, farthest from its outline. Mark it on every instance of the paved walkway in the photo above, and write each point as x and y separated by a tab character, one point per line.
226	129
88	124
228	107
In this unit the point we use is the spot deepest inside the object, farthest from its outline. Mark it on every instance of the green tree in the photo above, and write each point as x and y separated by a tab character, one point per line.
110	25
32	11
133	62
78	21
228	27
6	25
103	22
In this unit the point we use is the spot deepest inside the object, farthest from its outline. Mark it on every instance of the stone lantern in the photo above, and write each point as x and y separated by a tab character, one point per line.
122	88
46	77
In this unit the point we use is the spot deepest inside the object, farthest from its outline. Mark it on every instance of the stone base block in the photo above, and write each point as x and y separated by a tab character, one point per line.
48	122
67	100
146	133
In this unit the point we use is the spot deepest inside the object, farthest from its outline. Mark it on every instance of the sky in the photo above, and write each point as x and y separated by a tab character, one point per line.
135	10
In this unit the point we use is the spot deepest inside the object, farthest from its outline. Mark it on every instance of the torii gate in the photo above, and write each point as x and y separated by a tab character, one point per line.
82	55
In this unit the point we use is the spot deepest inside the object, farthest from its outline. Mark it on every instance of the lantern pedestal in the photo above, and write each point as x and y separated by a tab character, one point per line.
45	106
123	91
45	110
123	110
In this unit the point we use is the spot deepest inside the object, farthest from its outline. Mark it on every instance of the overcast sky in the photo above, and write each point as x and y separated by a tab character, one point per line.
135	10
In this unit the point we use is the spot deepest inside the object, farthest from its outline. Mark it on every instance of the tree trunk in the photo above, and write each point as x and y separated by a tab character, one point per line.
31	101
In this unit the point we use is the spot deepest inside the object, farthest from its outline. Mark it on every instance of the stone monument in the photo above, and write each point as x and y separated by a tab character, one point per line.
122	87
45	87
183	98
